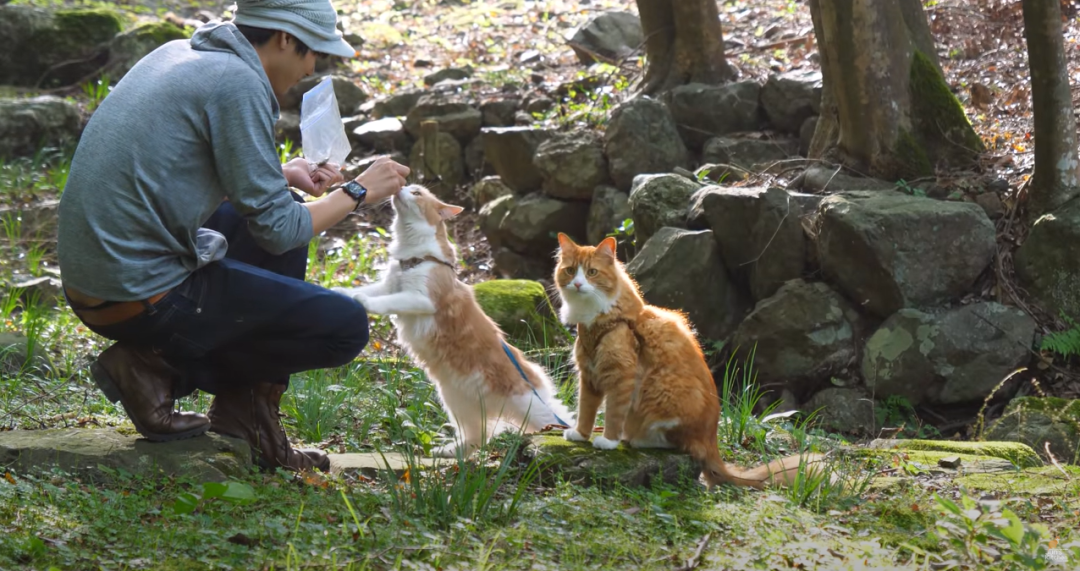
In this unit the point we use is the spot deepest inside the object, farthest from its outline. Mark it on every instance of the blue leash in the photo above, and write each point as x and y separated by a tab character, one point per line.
514	360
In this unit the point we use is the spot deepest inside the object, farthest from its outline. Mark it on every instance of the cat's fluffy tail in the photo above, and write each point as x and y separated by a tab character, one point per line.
782	472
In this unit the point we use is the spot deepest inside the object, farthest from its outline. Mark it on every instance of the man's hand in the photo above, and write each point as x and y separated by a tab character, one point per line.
383	179
309	178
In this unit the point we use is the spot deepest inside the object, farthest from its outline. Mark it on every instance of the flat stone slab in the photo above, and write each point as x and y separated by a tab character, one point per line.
1017	453
371	464
101	453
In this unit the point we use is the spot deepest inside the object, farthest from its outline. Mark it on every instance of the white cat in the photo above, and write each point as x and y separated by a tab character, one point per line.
439	322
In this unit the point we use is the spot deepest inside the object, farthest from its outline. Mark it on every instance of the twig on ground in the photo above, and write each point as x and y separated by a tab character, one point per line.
695	559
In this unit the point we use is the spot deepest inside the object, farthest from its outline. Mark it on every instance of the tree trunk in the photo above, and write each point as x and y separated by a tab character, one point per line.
886	109
1056	179
683	44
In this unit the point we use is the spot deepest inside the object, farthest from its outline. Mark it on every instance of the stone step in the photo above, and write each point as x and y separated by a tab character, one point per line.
99	453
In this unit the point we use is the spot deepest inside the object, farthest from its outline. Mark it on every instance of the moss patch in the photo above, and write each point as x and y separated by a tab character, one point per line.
1019	454
939	119
159	33
580	463
1036	481
77	29
911	158
522	310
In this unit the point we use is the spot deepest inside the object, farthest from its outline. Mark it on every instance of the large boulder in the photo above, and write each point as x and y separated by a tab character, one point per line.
532	224
706	111
349	95
610	207
129	47
658	200
492	214
759	231
842	409
27	125
384	135
522	310
445	165
510	265
397	105
572	165
1046	263
1037	421
641	138
455	117
955	356
747	153
681	269
46	48
789	99
800	337
499	112
510	151
822	179
609	36
888	250
487	189
103	452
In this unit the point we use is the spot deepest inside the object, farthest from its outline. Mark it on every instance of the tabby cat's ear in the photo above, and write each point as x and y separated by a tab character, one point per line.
448	211
607	246
565	243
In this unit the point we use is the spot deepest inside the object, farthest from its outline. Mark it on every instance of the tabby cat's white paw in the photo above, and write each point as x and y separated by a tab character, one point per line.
604	443
574	436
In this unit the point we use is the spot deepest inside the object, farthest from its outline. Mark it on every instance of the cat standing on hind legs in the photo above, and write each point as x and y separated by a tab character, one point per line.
645	365
442	326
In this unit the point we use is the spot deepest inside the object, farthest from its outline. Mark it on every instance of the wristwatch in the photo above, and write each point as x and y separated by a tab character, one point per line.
356	191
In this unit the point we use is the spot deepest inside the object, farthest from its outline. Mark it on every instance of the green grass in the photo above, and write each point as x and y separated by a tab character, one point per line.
491	511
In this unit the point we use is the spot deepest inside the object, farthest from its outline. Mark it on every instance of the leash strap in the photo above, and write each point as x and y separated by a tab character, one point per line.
514	360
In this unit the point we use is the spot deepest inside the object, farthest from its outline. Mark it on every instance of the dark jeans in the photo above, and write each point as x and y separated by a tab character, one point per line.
247	318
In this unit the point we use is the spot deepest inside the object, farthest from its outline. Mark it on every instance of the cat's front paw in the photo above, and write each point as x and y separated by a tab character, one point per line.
603	443
574	436
448	451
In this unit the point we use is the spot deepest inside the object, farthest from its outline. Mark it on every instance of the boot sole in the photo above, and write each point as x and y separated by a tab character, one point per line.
104	382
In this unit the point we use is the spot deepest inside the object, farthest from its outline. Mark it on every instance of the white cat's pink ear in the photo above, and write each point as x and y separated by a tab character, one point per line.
448	211
607	246
565	243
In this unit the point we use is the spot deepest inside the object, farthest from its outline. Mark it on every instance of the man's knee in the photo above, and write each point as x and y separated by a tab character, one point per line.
353	335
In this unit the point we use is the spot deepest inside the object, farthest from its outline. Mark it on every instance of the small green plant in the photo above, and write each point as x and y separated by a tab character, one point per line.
739	397
1065	343
896	411
232	492
980	533
97	91
906	187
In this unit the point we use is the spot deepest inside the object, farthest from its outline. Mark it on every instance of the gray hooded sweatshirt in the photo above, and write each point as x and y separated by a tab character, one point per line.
190	125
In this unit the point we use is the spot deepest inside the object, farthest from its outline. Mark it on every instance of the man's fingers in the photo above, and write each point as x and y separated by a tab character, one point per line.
401	169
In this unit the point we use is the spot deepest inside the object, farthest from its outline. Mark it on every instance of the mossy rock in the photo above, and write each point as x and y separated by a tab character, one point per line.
1035	421
580	463
522	310
131	46
1020	455
50	48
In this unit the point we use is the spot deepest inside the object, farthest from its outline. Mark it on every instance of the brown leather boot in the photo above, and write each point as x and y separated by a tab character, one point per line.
143	383
253	414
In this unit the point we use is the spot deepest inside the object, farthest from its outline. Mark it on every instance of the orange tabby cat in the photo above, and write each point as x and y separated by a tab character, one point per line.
646	363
